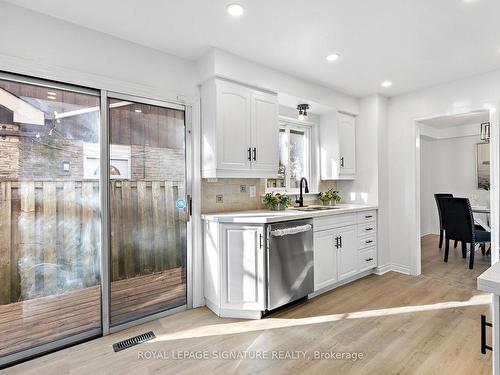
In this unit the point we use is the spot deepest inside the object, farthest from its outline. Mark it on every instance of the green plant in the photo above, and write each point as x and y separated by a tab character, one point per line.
277	200
330	195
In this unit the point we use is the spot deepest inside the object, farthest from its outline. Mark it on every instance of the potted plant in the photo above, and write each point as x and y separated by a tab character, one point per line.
330	197
277	201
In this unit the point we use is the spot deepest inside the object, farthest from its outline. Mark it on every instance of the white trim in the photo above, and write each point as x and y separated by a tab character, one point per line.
395	267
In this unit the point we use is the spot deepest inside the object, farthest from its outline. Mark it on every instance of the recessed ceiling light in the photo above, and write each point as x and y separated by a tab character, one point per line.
332	57
386	84
235	10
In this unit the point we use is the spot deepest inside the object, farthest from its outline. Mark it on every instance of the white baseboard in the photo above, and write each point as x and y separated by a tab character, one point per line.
392	267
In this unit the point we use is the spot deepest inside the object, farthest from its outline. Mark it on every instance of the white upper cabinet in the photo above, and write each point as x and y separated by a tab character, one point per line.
329	147
239	131
347	145
337	146
233	130
265	152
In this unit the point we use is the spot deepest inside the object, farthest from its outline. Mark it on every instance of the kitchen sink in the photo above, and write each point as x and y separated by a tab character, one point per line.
320	208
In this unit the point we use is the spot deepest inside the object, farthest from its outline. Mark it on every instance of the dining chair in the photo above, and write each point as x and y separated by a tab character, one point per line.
438	197
459	226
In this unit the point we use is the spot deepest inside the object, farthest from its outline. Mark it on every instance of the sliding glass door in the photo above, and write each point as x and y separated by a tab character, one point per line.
50	290
77	258
147	174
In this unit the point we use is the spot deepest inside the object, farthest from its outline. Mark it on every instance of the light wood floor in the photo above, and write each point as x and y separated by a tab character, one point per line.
402	324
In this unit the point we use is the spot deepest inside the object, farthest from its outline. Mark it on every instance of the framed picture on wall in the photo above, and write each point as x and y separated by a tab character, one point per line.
483	165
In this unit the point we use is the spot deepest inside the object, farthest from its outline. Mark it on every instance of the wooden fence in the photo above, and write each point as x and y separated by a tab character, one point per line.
49	234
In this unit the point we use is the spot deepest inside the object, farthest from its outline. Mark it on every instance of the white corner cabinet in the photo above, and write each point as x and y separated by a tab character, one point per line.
239	127
234	258
338	146
345	248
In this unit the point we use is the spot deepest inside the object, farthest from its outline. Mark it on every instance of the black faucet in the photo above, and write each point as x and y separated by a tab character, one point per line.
300	201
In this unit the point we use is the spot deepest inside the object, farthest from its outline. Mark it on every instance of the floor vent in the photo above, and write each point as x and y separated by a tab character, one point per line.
127	343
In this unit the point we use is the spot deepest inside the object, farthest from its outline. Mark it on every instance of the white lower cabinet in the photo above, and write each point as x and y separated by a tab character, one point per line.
347	252
242	267
344	247
325	259
234	269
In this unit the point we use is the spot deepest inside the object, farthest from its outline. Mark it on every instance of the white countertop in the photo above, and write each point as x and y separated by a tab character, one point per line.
489	280
268	216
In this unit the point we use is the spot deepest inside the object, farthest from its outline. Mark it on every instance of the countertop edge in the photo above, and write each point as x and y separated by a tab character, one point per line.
225	217
489	280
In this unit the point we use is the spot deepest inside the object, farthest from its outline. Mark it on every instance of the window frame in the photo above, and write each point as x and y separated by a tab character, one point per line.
289	124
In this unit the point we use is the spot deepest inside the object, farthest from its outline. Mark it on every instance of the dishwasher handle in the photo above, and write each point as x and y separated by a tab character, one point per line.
292	230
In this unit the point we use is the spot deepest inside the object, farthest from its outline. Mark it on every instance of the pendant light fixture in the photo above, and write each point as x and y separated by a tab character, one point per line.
302	108
485	131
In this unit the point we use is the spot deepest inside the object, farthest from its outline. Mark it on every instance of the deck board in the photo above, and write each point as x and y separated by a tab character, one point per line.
40	320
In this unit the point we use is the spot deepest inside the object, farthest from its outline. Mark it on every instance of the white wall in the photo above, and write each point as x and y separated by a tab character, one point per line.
39	45
364	189
224	64
370	185
456	97
447	166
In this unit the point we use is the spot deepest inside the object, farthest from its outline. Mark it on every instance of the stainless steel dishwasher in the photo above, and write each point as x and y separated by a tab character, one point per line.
290	268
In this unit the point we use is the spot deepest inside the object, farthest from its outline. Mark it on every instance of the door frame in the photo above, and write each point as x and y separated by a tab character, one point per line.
105	209
416	262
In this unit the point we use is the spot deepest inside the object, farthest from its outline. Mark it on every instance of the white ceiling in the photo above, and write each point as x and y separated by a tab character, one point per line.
414	43
470	118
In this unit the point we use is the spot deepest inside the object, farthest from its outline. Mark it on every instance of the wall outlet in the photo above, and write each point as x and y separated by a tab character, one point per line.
219	198
253	191
243	188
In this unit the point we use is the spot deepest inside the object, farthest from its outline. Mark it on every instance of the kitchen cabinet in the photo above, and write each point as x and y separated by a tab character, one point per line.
234	269
337	146
347	252
345	248
325	259
239	131
347	145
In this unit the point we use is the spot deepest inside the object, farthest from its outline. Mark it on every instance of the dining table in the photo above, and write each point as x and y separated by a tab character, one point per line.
480	221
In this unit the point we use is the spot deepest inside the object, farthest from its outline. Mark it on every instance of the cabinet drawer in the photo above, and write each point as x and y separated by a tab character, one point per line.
367	259
334	221
367	241
368	229
367	216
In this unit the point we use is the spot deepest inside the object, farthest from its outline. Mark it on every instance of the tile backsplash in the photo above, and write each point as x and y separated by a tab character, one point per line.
226	195
233	199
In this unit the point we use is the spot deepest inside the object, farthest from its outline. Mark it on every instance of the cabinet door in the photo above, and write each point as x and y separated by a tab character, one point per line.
242	267
347	144
265	152
233	126
325	259
329	146
347	252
